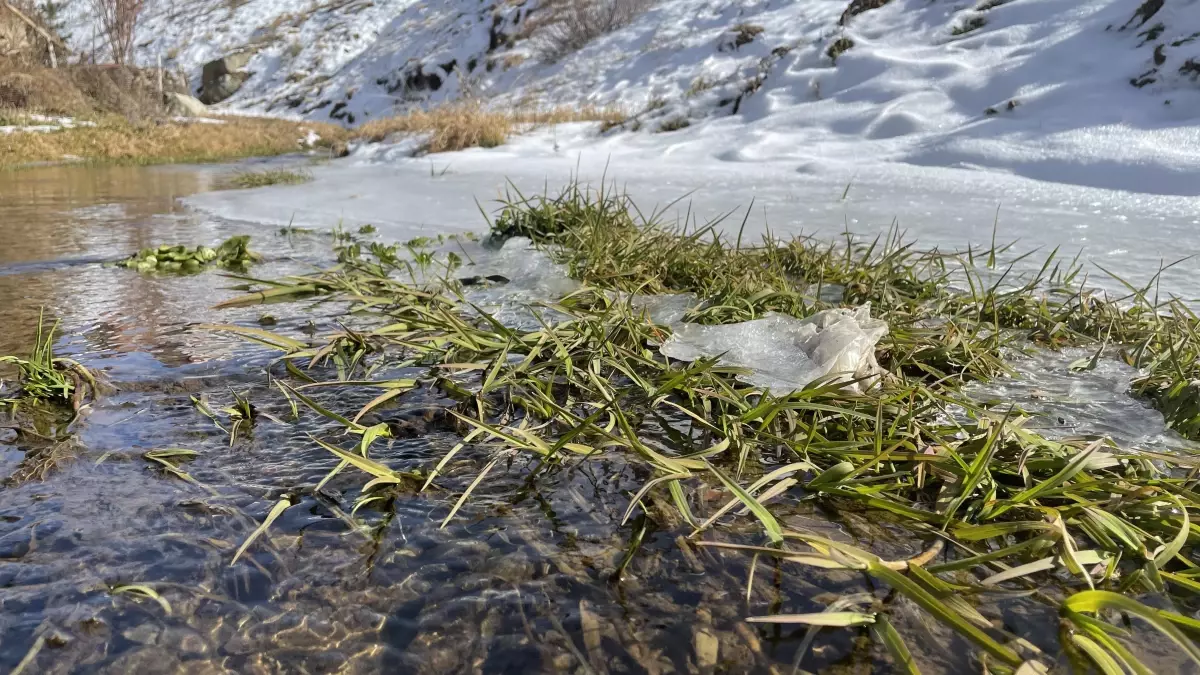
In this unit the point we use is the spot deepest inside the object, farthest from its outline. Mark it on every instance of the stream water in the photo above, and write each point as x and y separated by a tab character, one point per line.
536	582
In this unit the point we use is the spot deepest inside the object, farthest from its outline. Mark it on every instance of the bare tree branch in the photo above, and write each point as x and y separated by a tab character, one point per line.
118	20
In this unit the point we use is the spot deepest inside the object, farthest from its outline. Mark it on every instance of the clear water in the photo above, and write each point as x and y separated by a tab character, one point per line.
528	578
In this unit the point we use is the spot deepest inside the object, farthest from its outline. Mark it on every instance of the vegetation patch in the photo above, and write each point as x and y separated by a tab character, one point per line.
470	124
119	140
1144	13
266	177
1087	532
857	7
46	378
674	124
563	27
971	24
84	90
740	36
233	254
838	47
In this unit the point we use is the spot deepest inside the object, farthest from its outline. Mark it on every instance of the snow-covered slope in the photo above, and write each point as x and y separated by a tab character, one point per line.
1101	93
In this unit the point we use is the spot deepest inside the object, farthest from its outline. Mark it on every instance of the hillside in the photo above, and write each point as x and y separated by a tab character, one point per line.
1093	92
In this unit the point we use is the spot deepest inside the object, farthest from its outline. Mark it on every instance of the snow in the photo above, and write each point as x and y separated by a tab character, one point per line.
1043	89
1128	233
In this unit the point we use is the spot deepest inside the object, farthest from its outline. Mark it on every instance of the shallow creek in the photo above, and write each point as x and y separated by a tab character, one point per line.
546	581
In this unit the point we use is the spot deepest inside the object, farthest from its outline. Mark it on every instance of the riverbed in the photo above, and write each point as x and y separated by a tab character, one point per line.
109	563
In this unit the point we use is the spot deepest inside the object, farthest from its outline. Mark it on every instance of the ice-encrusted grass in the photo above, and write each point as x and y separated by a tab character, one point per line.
1086	529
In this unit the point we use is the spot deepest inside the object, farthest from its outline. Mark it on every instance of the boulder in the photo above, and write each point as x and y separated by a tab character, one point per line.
182	105
223	77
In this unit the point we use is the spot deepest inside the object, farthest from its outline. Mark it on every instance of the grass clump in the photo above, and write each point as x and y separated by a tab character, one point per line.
838	47
674	124
46	378
993	509
467	125
745	33
256	179
233	253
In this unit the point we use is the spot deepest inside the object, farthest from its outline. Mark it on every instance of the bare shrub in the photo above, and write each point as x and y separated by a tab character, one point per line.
118	20
569	25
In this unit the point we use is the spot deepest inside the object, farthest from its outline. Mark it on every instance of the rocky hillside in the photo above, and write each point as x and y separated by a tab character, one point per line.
1099	92
349	60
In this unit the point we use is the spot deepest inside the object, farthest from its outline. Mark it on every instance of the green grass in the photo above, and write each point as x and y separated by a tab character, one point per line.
46	378
1082	527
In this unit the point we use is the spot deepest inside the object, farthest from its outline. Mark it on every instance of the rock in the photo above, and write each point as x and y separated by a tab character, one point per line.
182	105
223	77
707	648
144	661
183	641
144	634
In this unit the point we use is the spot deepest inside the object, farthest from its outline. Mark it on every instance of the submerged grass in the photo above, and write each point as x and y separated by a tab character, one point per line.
996	511
50	395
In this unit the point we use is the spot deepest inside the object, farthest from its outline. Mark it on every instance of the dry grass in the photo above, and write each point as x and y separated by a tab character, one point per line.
115	139
467	125
82	90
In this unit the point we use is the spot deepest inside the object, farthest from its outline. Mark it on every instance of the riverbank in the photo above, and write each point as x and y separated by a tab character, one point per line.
31	138
117	114
118	140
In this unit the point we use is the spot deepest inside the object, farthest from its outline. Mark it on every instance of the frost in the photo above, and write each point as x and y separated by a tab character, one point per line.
785	354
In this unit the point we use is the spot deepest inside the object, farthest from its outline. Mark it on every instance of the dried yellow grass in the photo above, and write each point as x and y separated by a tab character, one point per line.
115	139
467	125
120	140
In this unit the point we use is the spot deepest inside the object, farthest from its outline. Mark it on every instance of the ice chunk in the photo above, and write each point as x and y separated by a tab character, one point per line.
532	278
785	354
665	310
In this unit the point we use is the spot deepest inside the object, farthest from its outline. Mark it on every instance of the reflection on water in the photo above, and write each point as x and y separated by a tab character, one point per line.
530	577
59	223
69	211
